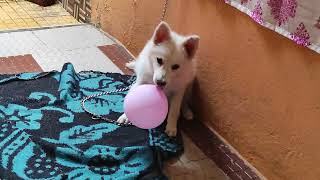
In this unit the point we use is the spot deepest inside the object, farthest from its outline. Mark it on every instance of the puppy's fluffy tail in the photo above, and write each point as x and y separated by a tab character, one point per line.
131	64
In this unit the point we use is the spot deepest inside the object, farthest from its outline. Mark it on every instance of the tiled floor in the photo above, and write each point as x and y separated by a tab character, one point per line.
89	49
17	64
193	165
20	14
51	48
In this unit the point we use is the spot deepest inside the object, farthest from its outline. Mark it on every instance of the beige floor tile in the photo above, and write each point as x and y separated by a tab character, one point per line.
176	168
193	165
3	26
18	21
5	17
192	152
211	170
13	13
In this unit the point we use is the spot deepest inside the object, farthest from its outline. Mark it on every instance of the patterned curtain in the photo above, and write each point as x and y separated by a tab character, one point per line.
299	20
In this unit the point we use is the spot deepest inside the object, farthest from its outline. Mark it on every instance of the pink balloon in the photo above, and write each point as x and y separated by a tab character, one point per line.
146	106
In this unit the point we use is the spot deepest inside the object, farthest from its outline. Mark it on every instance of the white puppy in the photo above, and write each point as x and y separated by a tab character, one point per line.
168	61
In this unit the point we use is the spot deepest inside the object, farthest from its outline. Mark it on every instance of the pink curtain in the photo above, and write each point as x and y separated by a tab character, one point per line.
298	20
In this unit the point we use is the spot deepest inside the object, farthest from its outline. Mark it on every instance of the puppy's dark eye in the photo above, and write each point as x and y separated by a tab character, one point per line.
160	61
175	67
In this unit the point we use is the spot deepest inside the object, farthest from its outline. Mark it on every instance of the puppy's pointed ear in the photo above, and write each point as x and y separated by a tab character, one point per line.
162	33
191	45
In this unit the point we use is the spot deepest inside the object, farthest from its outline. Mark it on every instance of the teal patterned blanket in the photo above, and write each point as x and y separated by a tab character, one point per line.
45	134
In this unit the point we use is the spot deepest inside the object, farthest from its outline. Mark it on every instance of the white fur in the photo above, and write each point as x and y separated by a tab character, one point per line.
173	49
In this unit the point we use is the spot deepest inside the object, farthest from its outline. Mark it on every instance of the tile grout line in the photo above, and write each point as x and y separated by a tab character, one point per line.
234	162
233	150
41	28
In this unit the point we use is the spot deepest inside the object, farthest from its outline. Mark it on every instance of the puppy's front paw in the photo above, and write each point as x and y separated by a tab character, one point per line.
123	119
171	131
130	65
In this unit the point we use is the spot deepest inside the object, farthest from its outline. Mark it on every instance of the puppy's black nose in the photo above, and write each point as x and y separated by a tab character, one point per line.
161	83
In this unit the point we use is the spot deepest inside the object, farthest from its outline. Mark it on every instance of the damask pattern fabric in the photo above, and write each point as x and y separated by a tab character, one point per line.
299	20
45	134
